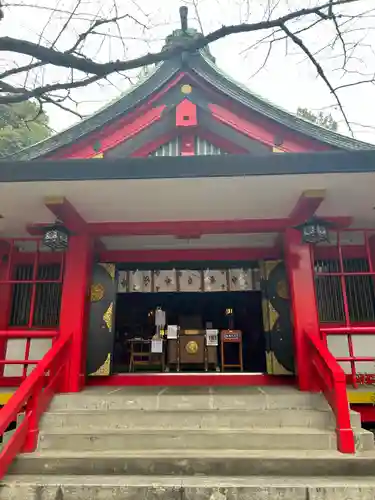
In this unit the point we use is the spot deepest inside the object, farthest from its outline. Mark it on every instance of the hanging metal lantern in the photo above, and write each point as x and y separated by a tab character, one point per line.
314	231
56	237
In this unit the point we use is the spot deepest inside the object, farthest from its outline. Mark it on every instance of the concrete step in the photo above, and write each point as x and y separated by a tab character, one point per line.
210	419
187	488
355	419
190	398
252	439
236	463
364	440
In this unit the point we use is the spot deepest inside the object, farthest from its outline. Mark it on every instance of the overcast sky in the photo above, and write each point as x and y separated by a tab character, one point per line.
288	79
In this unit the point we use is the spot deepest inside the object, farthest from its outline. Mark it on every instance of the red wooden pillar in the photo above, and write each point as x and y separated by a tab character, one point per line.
73	315
370	253
299	262
5	302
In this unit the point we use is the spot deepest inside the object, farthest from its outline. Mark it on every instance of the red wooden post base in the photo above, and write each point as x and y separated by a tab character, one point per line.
73	319
345	440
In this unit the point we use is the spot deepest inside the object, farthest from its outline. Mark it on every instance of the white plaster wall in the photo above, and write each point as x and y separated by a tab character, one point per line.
363	345
16	350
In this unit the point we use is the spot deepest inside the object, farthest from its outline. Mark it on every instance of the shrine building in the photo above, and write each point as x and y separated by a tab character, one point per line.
191	233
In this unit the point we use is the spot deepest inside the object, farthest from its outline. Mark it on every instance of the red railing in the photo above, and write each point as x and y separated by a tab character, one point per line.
25	362
329	377
352	358
349	244
33	397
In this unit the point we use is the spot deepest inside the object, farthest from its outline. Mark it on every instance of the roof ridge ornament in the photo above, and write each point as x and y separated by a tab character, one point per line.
181	36
184	18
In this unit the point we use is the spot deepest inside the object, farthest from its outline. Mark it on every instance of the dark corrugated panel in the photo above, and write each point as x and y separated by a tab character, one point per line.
359	290
172	148
203	147
21	300
47	296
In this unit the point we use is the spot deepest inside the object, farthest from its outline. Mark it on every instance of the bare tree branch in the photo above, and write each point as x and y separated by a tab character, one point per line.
354	84
319	69
104	25
48	55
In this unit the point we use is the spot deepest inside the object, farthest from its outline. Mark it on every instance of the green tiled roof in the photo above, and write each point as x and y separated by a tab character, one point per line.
202	64
210	72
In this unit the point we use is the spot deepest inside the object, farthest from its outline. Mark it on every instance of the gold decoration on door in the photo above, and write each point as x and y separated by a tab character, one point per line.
110	268
282	289
107	316
96	292
271	316
105	369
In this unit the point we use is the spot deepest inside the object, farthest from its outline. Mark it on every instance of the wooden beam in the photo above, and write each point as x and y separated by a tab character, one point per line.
254	130
220	142
63	210
339	223
190	229
154	144
306	206
332	252
4	247
187	228
188	255
36	229
84	149
99	246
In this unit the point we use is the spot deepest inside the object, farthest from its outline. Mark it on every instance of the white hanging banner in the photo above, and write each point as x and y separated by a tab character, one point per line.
215	280
157	346
123	282
190	281
172	332
140	281
160	317
165	281
212	337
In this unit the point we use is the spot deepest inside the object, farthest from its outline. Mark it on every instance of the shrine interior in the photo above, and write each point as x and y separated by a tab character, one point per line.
192	312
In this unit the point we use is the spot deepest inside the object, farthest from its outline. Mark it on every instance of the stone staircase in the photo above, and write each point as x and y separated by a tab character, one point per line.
191	443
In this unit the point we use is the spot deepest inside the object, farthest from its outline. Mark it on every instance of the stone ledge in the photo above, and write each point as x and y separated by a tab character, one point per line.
186	488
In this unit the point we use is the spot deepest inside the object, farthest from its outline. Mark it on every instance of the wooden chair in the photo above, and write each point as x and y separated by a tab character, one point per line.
140	353
231	337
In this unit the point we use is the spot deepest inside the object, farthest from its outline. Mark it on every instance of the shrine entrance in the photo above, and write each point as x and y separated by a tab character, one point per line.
189	348
231	318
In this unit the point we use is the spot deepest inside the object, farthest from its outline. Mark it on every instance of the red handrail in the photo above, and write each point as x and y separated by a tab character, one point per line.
33	395
329	377
348	331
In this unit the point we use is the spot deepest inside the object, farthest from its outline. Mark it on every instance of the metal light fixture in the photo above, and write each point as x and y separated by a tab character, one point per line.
314	231
56	237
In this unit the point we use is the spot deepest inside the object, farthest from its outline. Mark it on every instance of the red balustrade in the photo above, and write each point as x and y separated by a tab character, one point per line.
33	397
330	379
348	326
355	378
25	362
30	291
